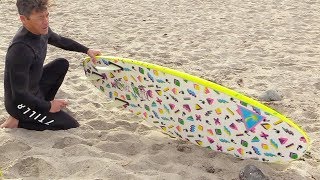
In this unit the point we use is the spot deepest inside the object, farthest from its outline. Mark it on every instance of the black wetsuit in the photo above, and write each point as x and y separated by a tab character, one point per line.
29	86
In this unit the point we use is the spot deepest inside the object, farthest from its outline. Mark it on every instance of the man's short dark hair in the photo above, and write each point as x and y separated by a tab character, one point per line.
25	7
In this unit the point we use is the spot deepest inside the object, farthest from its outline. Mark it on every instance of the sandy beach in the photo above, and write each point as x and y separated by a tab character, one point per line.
248	46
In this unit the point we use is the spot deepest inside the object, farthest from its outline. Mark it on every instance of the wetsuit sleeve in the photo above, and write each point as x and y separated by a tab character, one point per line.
20	58
65	43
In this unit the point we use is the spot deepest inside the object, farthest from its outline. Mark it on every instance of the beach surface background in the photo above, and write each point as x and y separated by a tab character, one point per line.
250	46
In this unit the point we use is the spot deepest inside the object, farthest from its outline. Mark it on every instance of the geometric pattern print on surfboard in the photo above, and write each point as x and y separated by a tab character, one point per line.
199	114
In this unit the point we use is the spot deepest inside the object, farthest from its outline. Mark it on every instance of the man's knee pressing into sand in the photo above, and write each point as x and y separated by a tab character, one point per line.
29	86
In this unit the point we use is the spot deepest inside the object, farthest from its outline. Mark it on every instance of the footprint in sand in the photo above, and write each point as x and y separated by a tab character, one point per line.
33	167
69	141
101	125
85	167
310	113
14	146
80	87
124	148
122	143
157	147
317	85
81	150
127	125
119	137
87	114
184	148
3	161
211	154
211	169
98	168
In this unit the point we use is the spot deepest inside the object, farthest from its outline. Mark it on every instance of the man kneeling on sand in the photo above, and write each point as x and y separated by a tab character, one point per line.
30	87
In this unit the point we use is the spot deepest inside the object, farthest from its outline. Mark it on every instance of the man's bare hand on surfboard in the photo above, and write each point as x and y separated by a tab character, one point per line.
93	53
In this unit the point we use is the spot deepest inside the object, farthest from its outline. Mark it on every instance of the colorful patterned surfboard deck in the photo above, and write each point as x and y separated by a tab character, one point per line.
198	110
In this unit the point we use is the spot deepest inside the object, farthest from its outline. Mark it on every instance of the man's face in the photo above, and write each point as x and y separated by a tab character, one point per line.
37	22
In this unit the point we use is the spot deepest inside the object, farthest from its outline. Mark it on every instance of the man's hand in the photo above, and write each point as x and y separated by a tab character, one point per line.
93	53
57	105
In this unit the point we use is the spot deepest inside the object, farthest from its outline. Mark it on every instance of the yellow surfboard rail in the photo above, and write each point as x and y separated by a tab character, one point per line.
212	85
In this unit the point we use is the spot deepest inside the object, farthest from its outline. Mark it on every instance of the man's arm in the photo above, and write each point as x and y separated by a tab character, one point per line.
71	45
20	58
65	43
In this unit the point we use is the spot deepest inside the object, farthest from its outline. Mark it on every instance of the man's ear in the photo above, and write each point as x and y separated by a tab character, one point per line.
23	18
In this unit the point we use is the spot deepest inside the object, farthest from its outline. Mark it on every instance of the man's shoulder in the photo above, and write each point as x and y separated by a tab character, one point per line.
20	47
20	34
22	39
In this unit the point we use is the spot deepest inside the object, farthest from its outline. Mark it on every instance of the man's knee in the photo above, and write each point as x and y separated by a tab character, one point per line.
63	64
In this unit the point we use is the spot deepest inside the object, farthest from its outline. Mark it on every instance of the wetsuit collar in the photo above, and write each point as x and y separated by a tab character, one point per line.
29	33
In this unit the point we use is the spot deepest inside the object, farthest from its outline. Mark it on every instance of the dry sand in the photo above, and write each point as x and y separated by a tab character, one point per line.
250	46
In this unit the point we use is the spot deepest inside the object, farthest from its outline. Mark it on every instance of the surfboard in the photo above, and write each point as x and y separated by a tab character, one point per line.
197	110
